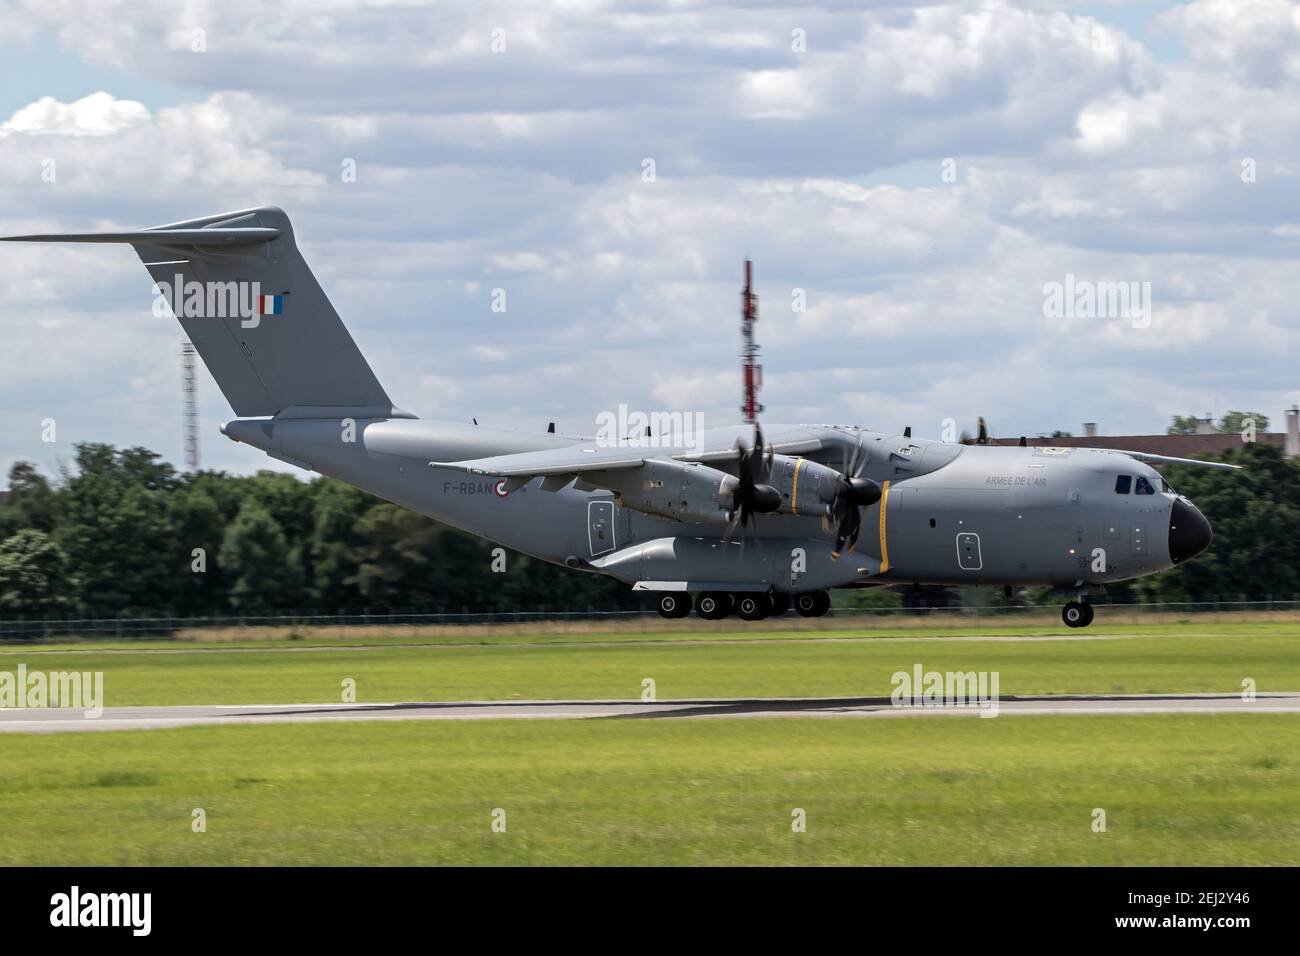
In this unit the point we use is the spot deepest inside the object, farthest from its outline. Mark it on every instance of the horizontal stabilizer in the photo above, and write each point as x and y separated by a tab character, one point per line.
242	236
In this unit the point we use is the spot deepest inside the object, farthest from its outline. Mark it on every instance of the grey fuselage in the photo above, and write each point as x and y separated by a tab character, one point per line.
949	514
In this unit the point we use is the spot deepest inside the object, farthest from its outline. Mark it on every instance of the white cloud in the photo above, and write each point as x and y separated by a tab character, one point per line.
1076	151
98	114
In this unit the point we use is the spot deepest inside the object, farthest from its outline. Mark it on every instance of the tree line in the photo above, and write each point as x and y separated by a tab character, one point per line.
120	533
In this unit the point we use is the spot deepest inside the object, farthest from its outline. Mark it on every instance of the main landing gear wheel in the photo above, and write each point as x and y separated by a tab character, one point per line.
812	603
673	604
713	605
752	605
1077	614
780	603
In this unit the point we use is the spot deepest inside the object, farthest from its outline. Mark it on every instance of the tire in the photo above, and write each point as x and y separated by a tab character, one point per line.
823	603
751	605
1087	615
713	605
1075	614
780	603
673	604
812	603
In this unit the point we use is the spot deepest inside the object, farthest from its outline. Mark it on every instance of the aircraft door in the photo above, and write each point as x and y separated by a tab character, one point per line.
968	551
600	526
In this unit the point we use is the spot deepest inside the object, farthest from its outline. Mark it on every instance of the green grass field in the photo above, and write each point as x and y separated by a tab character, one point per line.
1177	789
940	790
802	665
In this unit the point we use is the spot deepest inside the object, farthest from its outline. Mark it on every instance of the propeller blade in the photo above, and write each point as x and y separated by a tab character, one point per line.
731	528
846	535
856	527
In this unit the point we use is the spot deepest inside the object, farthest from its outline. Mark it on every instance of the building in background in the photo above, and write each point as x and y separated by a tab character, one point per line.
1206	440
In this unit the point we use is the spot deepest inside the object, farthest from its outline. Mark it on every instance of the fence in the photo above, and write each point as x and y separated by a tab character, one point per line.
558	621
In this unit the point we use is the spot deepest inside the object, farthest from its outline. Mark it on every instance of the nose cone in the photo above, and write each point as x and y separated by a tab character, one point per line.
1189	532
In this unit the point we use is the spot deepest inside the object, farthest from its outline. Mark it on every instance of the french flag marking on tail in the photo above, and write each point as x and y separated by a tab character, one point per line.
272	305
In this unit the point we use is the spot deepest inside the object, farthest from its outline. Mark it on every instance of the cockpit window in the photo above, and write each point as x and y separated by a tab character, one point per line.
1143	487
1122	484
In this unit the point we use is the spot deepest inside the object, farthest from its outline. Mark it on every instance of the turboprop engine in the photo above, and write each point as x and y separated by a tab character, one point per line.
687	491
770	482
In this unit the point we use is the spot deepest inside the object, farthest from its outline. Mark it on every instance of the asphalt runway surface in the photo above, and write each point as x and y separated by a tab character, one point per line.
50	720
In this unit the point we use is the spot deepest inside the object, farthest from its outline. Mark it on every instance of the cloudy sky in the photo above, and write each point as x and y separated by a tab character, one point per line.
921	172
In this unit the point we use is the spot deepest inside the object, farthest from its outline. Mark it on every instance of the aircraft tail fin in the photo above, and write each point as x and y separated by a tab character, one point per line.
257	316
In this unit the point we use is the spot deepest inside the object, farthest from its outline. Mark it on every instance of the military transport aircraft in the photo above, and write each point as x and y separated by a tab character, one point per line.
743	519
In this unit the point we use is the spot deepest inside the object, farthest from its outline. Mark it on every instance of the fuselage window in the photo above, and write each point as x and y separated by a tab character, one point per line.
1143	487
1122	484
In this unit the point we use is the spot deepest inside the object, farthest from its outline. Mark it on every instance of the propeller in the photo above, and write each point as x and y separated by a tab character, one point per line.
752	495
852	493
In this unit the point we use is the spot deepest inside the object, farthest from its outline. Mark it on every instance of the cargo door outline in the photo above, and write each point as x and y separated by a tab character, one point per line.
600	526
969	557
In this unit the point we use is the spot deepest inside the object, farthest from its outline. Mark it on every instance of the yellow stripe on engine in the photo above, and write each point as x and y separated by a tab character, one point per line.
794	489
884	548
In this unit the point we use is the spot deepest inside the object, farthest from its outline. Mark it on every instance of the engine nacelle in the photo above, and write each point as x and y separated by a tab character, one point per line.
687	491
807	488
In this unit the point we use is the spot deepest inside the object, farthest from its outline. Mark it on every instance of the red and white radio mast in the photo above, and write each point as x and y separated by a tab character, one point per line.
753	372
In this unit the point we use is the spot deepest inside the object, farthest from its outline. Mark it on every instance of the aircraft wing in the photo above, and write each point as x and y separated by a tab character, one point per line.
553	461
1153	459
801	447
585	458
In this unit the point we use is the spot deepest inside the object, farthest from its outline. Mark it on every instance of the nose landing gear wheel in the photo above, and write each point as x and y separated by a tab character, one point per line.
812	603
674	604
1077	614
713	605
752	606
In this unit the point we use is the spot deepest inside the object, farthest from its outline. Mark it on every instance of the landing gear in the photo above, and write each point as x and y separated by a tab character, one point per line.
812	603
1076	614
674	604
713	605
752	605
780	603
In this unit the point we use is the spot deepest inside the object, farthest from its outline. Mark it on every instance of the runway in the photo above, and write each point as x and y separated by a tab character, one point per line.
34	720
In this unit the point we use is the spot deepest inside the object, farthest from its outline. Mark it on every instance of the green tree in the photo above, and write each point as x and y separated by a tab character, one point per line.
398	564
113	527
201	585
257	557
1233	422
33	574
1254	514
334	542
31	500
